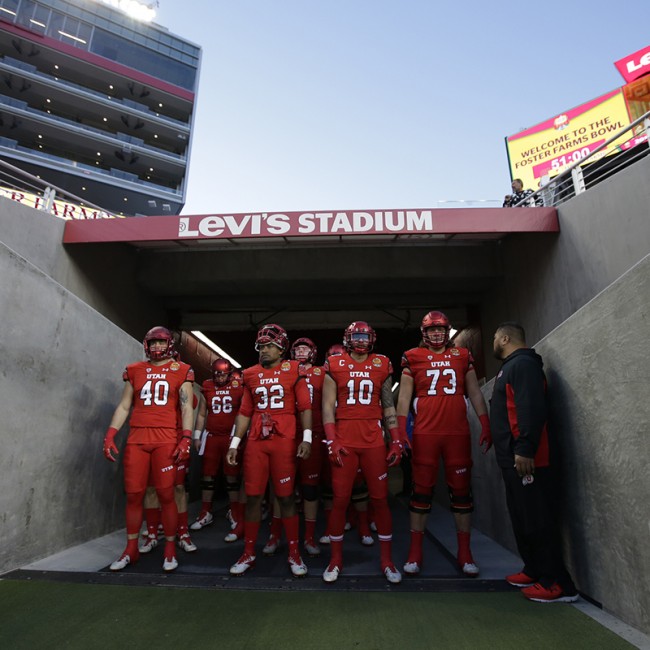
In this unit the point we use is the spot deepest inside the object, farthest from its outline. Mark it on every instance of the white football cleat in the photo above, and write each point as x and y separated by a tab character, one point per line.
186	543
233	536
242	565
122	562
170	563
313	550
331	574
325	539
366	540
412	568
392	574
204	519
297	566
150	542
470	569
271	546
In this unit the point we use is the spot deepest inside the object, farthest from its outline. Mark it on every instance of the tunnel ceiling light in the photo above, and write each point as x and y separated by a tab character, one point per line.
214	347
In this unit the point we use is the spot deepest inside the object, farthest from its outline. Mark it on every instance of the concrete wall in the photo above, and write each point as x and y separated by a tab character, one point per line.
60	380
598	367
103	278
604	232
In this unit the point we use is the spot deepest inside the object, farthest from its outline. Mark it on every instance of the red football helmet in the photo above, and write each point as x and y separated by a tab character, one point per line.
309	357
359	337
334	349
158	333
435	339
272	334
222	371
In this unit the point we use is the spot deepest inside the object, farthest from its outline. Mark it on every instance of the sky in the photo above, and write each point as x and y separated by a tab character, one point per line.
383	104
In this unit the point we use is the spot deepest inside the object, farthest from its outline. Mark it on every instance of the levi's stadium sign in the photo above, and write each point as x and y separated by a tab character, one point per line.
305	223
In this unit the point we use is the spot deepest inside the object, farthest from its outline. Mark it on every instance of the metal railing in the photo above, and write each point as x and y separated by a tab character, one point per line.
25	188
595	167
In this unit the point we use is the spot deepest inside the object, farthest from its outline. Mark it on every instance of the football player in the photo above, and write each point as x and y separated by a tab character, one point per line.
274	390
439	376
154	391
310	470
221	398
357	393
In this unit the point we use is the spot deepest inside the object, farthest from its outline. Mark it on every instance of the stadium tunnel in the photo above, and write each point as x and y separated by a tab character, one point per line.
314	287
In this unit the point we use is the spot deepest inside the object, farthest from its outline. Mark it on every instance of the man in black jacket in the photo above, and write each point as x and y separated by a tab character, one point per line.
518	420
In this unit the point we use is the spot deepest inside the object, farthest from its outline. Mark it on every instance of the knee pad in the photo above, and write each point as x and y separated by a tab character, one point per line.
232	485
359	493
420	502
207	483
310	493
460	490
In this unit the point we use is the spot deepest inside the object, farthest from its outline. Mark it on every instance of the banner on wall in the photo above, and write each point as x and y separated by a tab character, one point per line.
58	208
545	150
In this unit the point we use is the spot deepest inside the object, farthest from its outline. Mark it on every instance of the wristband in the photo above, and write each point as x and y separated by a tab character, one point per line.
186	433
197	434
234	442
306	436
330	430
394	434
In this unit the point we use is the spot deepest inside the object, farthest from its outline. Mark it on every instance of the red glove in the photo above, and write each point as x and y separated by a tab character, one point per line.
182	451
396	448
335	450
486	435
110	450
403	436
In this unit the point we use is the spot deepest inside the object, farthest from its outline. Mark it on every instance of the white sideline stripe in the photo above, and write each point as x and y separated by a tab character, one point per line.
630	634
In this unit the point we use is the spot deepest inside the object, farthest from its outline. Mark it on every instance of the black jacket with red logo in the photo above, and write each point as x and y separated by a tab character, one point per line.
518	410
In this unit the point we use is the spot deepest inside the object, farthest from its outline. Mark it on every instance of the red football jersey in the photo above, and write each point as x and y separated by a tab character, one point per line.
314	377
223	405
273	396
156	392
439	389
359	385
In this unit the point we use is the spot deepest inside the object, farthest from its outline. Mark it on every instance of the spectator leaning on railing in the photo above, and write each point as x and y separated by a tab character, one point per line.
520	194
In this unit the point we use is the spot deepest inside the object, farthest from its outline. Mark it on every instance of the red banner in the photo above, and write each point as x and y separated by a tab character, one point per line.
430	223
635	65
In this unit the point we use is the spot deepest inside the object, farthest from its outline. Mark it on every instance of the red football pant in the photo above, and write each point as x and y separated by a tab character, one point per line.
150	465
275	458
372	462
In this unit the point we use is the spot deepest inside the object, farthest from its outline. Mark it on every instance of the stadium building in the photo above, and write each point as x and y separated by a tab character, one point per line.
98	102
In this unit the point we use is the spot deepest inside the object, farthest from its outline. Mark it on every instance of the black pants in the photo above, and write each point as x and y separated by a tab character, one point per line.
534	521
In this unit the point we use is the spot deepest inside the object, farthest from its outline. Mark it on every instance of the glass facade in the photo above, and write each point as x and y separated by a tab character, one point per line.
108	34
117	136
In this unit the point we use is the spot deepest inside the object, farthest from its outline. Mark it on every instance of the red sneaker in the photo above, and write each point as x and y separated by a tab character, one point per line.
552	594
520	580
